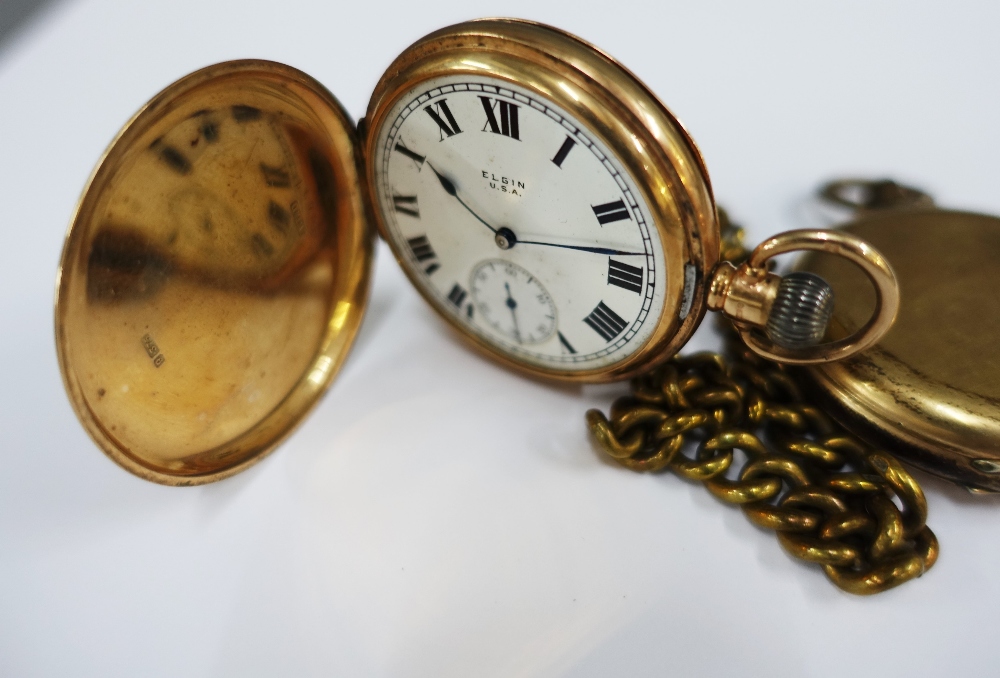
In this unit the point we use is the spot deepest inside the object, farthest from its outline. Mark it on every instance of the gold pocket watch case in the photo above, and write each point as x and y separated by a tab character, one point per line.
570	115
217	268
929	391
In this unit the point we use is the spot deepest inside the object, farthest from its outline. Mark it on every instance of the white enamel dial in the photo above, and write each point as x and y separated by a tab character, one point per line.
519	223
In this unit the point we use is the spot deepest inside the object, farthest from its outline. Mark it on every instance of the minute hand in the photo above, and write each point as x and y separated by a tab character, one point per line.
583	248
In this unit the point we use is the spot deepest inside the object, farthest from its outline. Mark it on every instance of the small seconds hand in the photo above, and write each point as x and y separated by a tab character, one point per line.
512	305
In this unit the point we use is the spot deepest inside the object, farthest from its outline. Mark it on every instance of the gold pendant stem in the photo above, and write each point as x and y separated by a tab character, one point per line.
745	295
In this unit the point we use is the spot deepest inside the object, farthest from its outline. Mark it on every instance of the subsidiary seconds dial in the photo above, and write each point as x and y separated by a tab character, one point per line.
513	301
519	224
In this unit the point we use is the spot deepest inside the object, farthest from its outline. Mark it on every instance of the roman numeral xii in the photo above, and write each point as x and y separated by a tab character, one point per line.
501	117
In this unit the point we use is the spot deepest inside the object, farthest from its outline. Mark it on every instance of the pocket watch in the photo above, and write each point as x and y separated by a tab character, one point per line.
535	192
929	389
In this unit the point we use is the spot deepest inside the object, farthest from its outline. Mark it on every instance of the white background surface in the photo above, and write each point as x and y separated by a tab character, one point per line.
437	516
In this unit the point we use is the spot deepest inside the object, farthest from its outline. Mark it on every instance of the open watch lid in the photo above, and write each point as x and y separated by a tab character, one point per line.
215	272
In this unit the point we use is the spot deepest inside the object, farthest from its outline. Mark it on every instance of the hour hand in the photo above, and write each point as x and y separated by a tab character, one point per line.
449	188
445	182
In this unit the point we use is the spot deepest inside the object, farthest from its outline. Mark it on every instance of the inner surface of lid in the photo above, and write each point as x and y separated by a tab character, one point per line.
215	273
933	382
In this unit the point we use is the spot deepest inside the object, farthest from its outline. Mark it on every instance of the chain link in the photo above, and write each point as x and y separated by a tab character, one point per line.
829	498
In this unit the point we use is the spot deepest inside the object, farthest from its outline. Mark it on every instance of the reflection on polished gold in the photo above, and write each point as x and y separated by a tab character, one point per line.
746	293
929	390
215	273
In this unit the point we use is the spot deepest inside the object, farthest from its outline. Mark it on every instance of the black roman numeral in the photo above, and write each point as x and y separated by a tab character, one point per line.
568	346
422	251
275	176
457	295
611	211
605	322
415	157
444	119
564	150
507	124
407	204
421	248
625	276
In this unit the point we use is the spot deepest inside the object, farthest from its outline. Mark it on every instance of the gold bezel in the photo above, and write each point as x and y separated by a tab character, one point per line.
616	107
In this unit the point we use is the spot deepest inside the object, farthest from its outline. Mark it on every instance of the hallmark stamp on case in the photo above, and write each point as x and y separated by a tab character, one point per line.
152	350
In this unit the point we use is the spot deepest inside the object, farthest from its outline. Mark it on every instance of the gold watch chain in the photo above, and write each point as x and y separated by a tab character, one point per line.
829	498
